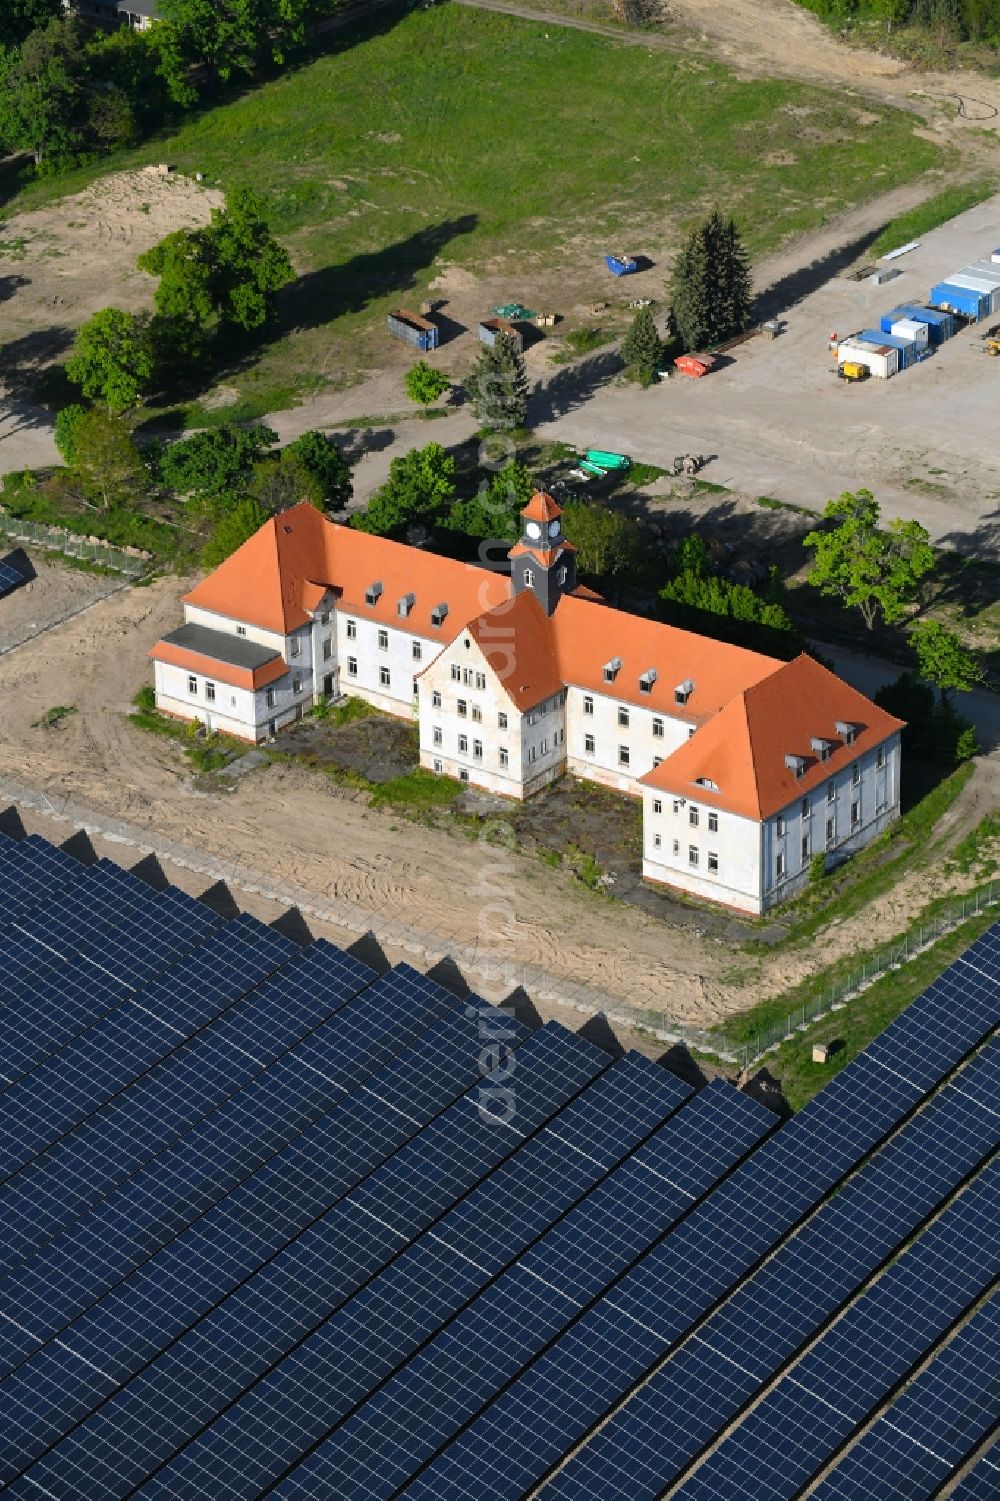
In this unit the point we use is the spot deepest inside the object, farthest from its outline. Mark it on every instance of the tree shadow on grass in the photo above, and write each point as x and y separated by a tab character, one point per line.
322	296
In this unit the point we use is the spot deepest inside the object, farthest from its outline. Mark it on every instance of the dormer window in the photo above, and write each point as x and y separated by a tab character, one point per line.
707	782
823	748
612	669
406	604
373	594
529	578
847	731
438	614
647	680
796	764
683	691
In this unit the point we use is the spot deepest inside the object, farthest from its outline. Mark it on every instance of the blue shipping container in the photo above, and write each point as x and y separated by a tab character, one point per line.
419	332
907	348
940	326
960	299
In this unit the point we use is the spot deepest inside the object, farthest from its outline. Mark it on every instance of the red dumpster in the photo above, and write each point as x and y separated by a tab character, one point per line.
694	364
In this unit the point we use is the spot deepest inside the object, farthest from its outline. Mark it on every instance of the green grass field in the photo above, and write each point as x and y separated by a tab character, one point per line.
469	136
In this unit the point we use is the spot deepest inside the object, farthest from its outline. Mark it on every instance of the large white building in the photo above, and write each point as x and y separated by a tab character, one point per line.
747	766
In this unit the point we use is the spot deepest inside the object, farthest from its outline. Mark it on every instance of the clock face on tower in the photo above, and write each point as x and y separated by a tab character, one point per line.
554	528
533	530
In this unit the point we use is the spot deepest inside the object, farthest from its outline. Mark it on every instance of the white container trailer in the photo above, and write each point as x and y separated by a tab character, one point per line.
986	269
978	284
880	360
909	328
996	257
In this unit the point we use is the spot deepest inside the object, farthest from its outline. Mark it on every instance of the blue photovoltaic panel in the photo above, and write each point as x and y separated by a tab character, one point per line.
300	1116
229	1242
157	1109
939	1420
139	1427
631	1329
10	578
981	1484
61	1092
237	1140
792	1433
39	1017
32	875
452	1376
427	1283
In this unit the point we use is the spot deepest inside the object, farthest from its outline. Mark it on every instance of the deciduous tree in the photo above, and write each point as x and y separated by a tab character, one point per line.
18	18
215	466
420	489
493	511
328	466
107	468
607	543
281	481
232	530
864	566
112	359
424	384
942	659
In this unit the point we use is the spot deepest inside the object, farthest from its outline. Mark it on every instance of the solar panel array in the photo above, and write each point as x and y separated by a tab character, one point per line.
271	1224
10	578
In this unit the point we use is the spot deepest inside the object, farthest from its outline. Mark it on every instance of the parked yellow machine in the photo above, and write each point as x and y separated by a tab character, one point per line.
851	370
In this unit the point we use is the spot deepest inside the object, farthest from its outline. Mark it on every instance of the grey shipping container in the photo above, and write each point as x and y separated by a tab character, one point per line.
490	328
413	329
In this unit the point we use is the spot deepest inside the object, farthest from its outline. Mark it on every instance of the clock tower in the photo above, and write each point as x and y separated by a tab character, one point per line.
542	560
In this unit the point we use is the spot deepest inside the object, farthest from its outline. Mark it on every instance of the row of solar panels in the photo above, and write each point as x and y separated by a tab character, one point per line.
266	1229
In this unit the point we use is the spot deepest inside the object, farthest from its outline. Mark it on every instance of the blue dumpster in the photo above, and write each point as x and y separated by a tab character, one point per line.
621	265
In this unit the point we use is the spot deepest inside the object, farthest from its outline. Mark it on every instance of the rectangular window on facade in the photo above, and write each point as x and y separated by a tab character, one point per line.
467	676
855	773
694	817
831	830
855	815
677	805
657	729
383	639
831	792
713	823
501	721
477	714
324	619
418	651
779	827
504	757
463	743
692	854
805	848
588	705
657	805
296	683
477	749
269	698
677	847
880	757
480	680
463	775
435	700
588	744
327	649
779	867
623	716
192	683
657	841
438	766
532	753
462	708
352	630
352	667
657	761
806	807
456	673
416	689
436	735
241	630
210	692
294	646
623	755
713	863
383	677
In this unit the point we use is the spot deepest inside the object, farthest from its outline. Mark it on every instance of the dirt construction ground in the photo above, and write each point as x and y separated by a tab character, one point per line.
294	826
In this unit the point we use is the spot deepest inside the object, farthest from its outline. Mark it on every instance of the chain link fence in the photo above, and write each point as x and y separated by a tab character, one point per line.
132	562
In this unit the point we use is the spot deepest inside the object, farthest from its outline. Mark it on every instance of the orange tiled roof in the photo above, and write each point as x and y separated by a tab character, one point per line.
541	507
742	749
516	640
220	672
275	578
